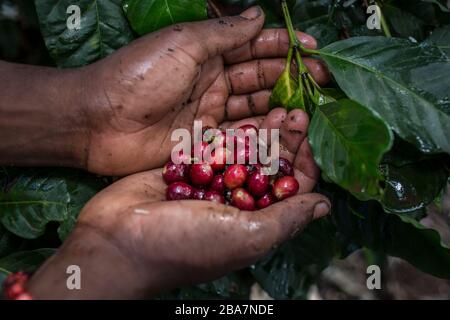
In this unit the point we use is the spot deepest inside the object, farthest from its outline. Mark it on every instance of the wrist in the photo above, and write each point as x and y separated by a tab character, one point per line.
106	272
42	121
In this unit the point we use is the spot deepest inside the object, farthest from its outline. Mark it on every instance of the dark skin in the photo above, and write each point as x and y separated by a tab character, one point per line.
115	117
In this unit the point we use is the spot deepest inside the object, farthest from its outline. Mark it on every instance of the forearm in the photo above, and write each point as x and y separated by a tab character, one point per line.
106	272
41	116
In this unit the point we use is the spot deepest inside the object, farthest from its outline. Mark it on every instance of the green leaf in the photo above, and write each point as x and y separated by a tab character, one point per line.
413	180
288	271
103	29
406	83
348	142
27	261
31	198
441	39
365	224
283	90
150	15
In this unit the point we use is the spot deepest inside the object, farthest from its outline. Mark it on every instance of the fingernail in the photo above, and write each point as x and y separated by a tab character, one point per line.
252	13
321	209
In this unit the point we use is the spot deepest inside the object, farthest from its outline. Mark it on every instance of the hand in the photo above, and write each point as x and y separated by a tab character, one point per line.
215	70
130	243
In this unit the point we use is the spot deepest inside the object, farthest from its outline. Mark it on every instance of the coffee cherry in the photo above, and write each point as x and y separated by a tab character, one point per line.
175	172
257	183
235	176
218	184
214	196
218	159
198	194
266	200
286	167
243	200
179	191
201	174
285	187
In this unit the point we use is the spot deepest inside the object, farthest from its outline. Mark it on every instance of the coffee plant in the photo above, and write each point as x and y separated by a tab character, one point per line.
380	132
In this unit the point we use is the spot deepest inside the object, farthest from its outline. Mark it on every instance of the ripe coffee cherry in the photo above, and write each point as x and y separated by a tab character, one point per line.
201	174
175	172
286	167
285	187
214	196
235	176
218	184
198	194
266	200
257	183
179	191
243	200
218	159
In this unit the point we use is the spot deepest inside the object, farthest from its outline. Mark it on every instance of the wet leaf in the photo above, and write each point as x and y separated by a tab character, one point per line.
406	83
348	142
283	90
150	15
103	29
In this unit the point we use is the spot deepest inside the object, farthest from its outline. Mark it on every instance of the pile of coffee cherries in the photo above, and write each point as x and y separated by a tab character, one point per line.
240	185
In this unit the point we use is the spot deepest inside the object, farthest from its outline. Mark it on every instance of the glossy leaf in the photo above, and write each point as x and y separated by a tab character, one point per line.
283	90
348	142
103	29
150	15
31	198
407	84
412	179
441	39
365	224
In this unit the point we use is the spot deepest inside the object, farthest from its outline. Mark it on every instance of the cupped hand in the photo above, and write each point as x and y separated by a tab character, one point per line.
214	70
131	243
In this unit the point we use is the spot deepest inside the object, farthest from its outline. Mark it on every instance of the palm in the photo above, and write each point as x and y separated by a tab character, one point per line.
167	80
144	226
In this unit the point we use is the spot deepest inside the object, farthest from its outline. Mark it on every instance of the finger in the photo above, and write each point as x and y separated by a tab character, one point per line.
270	43
294	129
262	74
254	75
244	106
274	120
209	38
304	161
254	121
318	70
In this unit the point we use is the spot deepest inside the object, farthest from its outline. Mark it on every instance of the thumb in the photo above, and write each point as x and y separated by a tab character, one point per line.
290	216
216	36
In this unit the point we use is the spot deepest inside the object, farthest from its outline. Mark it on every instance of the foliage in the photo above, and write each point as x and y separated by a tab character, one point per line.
380	133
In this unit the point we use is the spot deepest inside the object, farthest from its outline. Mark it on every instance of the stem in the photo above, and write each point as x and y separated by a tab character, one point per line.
290	27
289	59
384	24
